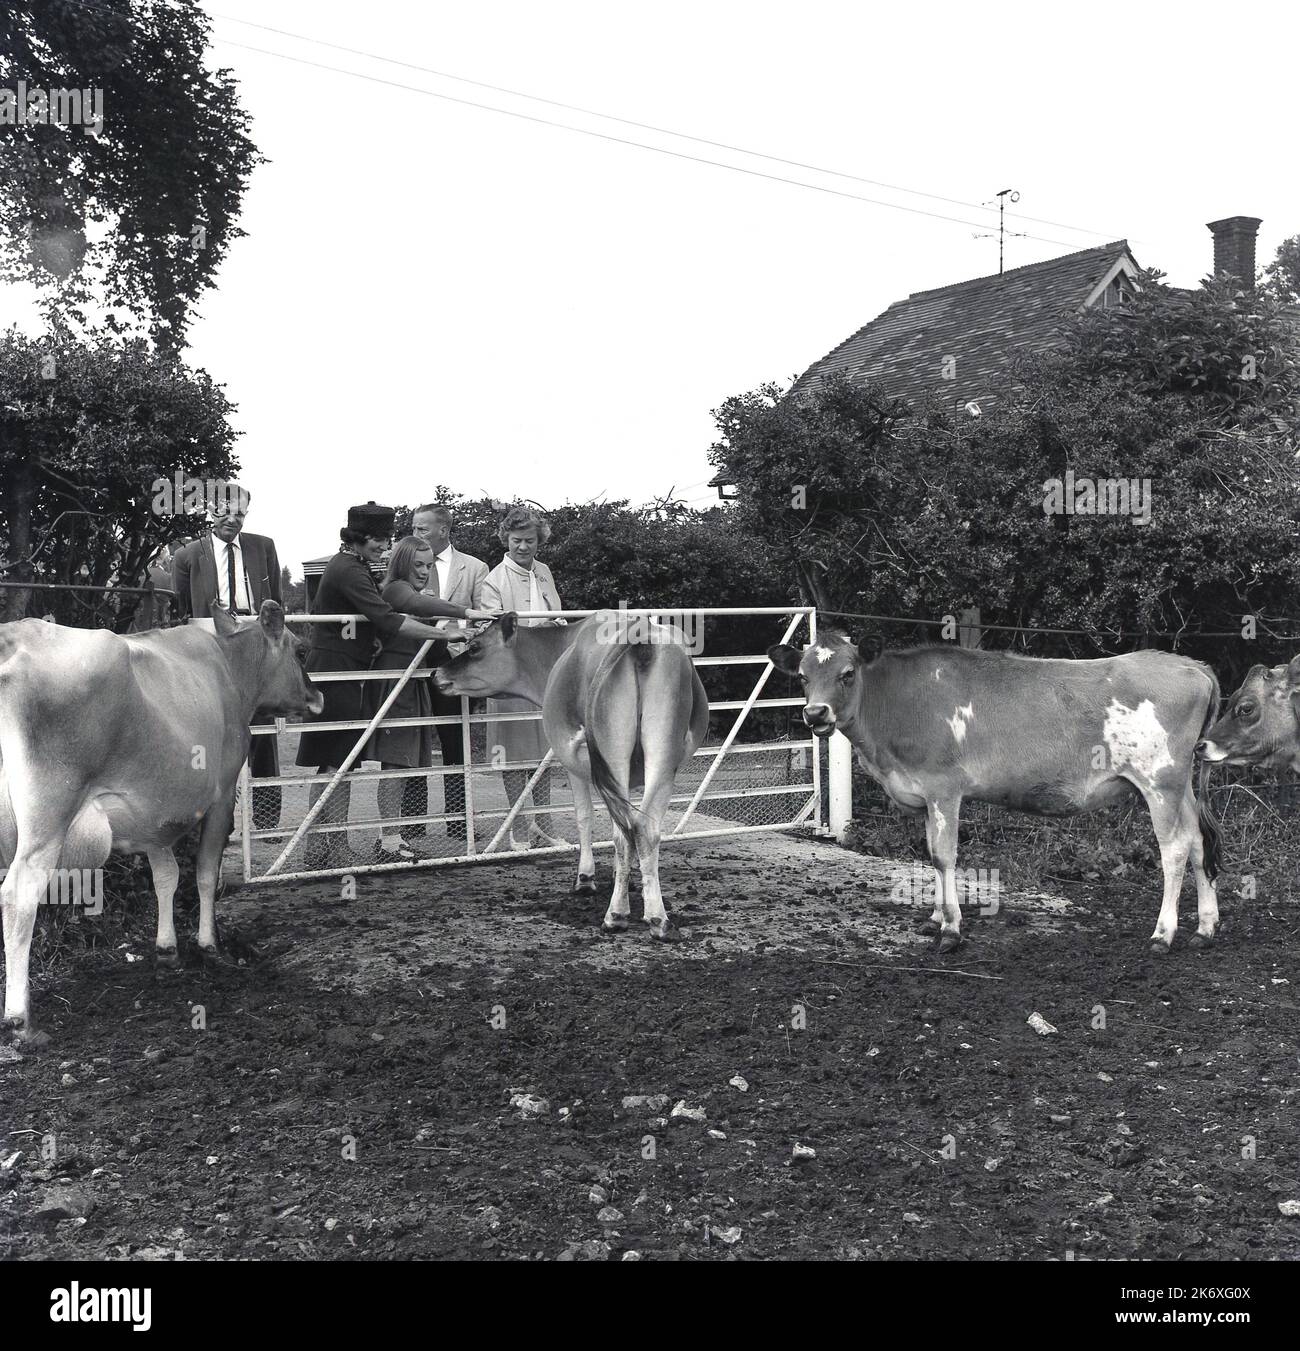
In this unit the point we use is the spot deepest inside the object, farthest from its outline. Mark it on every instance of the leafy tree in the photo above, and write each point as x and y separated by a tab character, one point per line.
819	485
925	514
1231	354
86	430
1283	273
148	204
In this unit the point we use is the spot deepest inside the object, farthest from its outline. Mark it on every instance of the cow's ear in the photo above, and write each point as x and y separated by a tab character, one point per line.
222	620
271	618
509	625
785	658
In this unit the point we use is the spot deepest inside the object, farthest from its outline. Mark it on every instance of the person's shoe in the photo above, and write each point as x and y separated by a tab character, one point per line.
539	839
402	854
338	854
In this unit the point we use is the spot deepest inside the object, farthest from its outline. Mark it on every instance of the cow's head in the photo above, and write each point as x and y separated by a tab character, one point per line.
271	658
829	671
1261	722
489	664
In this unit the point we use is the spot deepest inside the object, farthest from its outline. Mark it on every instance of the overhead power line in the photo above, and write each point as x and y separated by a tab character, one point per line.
622	140
583	131
649	126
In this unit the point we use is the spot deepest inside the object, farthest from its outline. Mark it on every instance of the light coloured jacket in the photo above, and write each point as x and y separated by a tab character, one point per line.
464	582
504	589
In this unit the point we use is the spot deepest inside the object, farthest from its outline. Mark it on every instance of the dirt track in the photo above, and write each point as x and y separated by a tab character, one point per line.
396	1027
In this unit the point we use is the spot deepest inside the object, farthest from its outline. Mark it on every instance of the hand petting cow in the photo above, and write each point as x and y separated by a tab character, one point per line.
622	708
935	726
123	743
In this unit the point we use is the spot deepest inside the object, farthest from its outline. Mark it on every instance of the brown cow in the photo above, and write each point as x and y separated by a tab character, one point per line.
1260	723
122	743
938	725
623	708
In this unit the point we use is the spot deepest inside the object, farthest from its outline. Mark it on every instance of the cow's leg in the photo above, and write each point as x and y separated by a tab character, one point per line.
1207	900
24	885
654	803
934	925
166	873
213	835
585	885
941	836
1175	826
620	907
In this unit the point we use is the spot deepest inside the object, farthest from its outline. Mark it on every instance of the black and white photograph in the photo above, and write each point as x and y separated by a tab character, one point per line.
649	633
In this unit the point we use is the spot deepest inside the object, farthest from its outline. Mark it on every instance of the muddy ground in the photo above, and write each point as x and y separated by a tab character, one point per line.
350	1091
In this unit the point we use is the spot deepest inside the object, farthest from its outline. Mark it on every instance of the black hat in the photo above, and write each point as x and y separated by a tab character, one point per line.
377	522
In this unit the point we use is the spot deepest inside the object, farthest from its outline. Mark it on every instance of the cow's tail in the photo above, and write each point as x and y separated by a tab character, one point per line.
625	813
1211	830
8	822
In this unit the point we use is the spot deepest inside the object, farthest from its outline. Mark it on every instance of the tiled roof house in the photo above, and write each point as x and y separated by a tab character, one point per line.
956	343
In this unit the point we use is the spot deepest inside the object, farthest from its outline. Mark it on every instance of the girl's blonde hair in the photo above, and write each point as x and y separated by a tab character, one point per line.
402	558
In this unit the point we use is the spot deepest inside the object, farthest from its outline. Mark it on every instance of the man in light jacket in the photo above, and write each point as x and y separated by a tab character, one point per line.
456	577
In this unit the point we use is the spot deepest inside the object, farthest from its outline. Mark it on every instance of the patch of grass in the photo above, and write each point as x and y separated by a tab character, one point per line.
1259	857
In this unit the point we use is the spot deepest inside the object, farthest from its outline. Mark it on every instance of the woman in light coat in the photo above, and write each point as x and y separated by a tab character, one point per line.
520	582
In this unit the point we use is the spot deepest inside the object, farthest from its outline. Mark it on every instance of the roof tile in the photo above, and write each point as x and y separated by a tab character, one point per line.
982	323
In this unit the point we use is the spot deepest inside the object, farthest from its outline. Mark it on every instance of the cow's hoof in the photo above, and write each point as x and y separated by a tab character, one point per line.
615	924
930	927
166	956
584	886
949	942
1158	947
25	1036
1199	941
213	957
662	931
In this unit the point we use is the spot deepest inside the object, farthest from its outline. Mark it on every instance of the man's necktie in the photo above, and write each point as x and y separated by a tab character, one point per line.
230	575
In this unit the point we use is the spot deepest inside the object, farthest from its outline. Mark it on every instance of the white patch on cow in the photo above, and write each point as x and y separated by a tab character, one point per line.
960	717
940	820
1135	738
824	654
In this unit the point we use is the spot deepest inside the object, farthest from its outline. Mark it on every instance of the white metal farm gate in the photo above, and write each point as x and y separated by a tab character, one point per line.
744	778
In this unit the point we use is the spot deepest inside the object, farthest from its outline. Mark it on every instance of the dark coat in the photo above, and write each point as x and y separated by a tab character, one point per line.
194	574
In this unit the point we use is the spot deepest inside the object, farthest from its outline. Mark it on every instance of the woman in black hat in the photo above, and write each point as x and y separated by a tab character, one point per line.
348	587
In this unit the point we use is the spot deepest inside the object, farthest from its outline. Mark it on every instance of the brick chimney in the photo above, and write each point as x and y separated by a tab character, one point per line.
1234	246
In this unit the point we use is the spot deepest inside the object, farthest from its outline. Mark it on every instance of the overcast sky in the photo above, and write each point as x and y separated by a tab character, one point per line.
431	293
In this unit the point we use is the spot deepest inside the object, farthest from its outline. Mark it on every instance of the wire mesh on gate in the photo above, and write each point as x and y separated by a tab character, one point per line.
758	769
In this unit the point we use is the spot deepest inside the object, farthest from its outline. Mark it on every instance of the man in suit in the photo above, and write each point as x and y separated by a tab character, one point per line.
456	577
235	570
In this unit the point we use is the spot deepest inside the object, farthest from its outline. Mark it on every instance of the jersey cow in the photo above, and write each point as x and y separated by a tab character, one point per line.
1261	721
938	725
622	707
123	743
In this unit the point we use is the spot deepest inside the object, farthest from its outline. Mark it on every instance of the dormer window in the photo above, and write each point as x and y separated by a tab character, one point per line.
1119	292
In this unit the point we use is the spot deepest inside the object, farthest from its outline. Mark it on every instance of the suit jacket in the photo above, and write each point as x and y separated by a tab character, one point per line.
464	581
504	589
194	574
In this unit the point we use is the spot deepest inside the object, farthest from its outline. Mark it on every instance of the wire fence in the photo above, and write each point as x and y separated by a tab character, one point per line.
85	605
